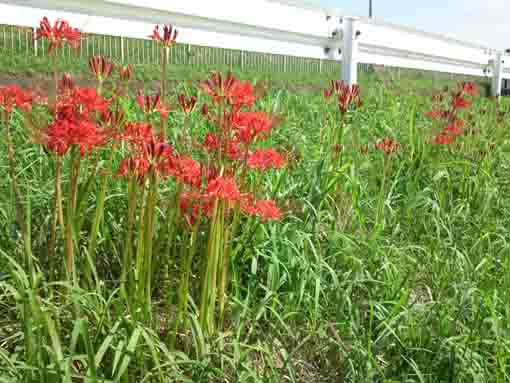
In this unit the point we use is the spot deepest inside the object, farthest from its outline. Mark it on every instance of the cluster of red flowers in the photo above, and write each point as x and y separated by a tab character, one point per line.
12	96
447	108
265	159
125	72
265	209
147	151
100	67
229	89
347	96
234	129
187	105
57	34
169	36
84	120
388	146
75	120
152	104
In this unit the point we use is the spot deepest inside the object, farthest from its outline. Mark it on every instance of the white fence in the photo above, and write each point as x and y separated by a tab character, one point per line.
277	27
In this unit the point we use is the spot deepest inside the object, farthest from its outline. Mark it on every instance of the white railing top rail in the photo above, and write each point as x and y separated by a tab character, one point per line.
287	27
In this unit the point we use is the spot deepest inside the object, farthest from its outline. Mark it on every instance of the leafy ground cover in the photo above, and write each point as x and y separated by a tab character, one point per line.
225	231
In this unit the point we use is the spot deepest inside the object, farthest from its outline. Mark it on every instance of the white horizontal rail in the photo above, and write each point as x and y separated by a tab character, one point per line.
306	35
282	27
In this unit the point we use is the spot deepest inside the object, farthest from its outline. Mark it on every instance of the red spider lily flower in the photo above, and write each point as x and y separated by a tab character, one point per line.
434	114
66	85
80	104
163	110
246	134
250	125
223	188
57	34
265	160
242	94
459	122
61	135
443	139
227	88
234	150
205	110
12	96
115	117
169	36
267	210
143	143
337	86
470	88
189	203
388	146
453	130
88	100
137	134
217	87
156	149
262	123
125	72
210	172
100	67
349	95
148	104
136	166
187	105
247	204
152	103
328	93
460	102
185	169
212	142
194	205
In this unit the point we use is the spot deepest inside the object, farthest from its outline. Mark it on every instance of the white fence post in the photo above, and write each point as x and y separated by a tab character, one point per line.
497	74
350	51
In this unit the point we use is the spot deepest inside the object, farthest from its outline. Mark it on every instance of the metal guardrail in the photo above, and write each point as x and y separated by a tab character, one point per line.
281	28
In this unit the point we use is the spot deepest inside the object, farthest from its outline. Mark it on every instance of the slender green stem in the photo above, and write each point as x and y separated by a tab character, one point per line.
126	279
149	234
209	264
98	217
70	213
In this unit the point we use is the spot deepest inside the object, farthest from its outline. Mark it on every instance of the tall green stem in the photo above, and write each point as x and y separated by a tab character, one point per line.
210	265
126	280
164	66
71	207
98	217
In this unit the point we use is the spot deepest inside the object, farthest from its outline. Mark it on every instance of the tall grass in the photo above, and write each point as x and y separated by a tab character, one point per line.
385	267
